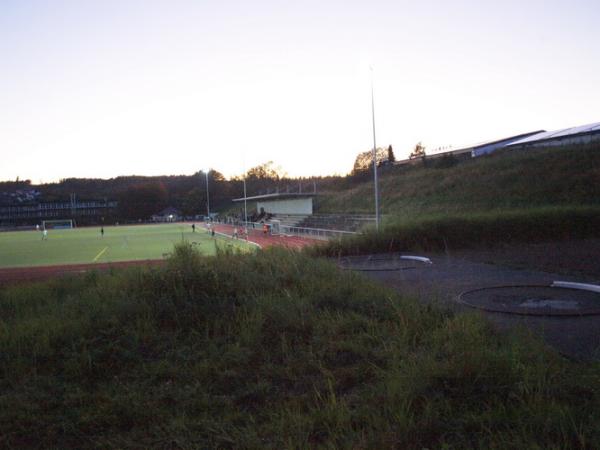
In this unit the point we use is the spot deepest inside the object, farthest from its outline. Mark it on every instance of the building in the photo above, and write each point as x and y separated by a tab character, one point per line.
92	211
585	134
169	214
485	148
282	203
471	151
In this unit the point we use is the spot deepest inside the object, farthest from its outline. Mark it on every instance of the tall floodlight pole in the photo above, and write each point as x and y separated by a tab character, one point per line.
245	203
374	157
207	198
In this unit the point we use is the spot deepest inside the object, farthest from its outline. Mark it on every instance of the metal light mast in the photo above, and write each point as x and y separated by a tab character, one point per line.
374	157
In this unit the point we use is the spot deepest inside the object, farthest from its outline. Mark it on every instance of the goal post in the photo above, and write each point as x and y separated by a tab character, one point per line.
57	224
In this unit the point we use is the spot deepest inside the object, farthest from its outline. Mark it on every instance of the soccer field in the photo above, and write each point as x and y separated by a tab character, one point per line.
119	243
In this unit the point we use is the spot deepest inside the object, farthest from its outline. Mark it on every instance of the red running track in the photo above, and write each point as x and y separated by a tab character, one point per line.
258	237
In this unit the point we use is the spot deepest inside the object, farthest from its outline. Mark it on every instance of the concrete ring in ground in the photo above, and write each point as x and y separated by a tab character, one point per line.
533	300
381	263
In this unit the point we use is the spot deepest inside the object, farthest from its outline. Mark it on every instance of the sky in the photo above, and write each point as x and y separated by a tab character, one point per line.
99	89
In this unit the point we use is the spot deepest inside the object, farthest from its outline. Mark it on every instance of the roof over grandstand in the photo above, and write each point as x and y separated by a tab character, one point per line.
277	196
573	131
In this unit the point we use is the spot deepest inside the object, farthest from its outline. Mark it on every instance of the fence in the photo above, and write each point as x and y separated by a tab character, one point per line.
315	233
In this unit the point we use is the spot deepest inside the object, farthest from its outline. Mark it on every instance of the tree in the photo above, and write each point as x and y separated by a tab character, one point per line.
418	152
141	201
194	202
266	171
391	157
364	160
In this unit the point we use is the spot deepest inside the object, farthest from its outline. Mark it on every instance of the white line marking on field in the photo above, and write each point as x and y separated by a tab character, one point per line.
231	239
100	254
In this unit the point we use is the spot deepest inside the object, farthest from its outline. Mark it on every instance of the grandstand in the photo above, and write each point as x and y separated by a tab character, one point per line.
289	220
344	222
292	213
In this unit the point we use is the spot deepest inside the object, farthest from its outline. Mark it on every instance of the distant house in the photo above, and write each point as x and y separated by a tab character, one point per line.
169	214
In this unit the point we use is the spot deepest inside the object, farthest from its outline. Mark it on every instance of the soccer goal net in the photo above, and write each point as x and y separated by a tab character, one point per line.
54	224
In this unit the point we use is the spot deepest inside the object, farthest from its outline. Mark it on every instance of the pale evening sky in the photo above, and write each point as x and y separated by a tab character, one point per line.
108	88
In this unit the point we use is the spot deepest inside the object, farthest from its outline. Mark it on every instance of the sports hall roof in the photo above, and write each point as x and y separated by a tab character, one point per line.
584	129
276	196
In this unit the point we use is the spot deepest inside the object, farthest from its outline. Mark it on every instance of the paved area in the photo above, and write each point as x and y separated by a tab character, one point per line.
576	337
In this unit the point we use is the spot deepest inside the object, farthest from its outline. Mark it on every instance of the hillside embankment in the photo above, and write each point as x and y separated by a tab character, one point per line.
505	180
527	196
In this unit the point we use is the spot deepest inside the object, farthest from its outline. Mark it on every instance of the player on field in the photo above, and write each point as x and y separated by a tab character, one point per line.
44	235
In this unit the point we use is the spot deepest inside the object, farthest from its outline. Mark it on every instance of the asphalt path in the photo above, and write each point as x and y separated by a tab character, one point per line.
443	281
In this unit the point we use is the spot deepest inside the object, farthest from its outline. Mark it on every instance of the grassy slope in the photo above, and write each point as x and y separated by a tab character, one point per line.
507	197
85	245
272	351
503	180
490	229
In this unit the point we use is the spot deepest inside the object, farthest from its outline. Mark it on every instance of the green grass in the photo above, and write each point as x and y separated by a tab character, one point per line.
536	195
86	245
475	230
501	181
272	350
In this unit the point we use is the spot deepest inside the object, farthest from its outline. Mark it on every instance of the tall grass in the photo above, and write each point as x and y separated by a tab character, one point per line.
476	230
504	180
272	350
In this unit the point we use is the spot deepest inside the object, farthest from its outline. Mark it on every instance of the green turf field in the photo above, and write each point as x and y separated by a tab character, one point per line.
120	243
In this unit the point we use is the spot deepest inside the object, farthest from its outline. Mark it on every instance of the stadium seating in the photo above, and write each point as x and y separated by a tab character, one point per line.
343	222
